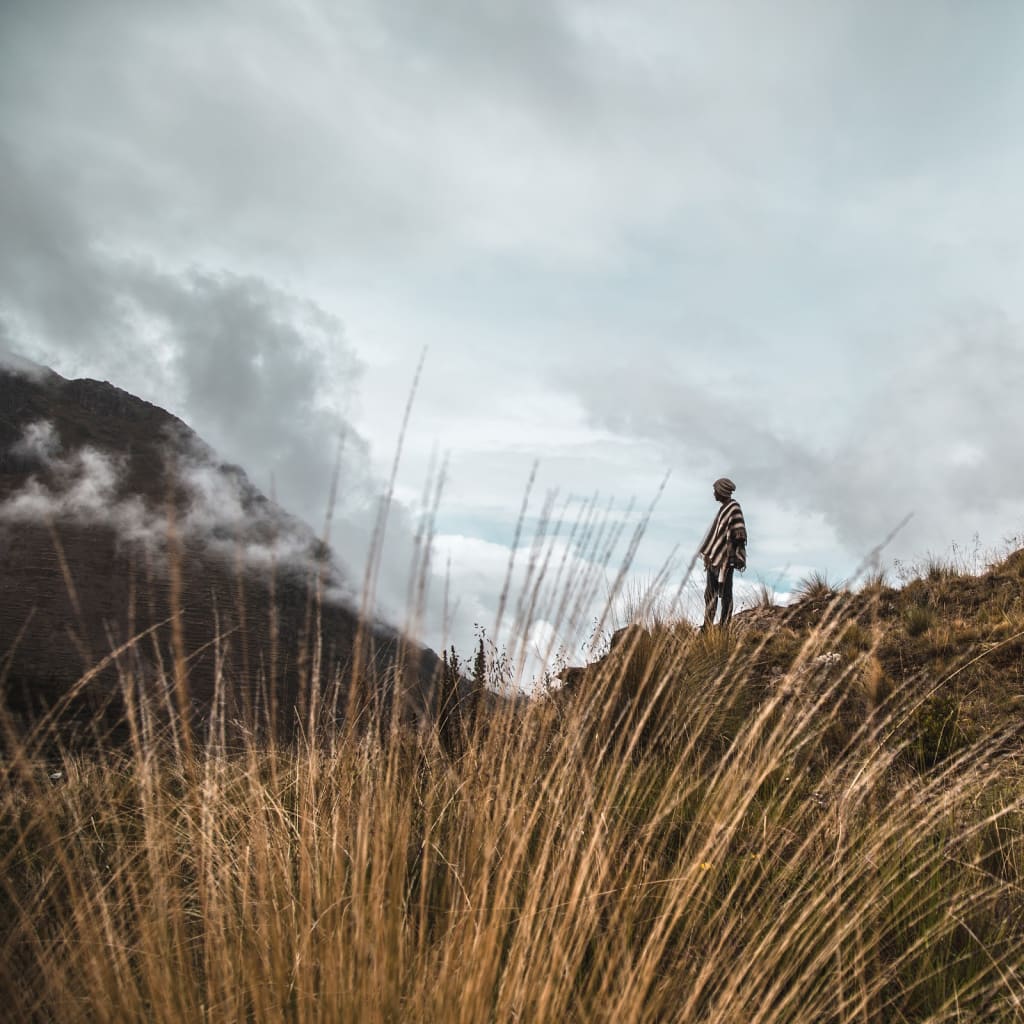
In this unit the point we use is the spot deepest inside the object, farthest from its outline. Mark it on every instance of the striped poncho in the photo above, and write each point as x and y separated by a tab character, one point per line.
727	533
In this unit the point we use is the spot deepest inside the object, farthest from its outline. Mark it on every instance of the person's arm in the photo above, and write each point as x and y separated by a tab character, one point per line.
739	546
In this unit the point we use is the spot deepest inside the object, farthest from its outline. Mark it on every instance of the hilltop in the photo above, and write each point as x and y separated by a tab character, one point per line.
949	642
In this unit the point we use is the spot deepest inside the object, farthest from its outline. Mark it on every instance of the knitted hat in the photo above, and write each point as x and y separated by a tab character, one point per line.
725	486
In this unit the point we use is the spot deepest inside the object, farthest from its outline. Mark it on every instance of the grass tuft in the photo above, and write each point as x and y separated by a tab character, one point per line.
815	586
917	619
763	598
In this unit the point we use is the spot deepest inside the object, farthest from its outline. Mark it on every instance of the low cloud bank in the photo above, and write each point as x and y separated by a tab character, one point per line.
86	486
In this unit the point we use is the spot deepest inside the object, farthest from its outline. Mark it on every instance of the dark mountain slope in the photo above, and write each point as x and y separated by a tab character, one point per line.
93	483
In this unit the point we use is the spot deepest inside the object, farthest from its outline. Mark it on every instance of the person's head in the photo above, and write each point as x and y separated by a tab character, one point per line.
724	488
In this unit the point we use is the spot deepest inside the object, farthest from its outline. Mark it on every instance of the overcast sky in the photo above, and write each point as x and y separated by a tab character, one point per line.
780	242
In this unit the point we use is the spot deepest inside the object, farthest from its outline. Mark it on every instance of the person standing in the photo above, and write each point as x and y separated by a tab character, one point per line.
724	550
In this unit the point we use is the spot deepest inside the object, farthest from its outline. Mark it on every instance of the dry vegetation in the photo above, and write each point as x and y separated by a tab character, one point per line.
816	816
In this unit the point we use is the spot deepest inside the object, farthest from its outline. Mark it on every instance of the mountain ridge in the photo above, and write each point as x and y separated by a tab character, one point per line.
94	481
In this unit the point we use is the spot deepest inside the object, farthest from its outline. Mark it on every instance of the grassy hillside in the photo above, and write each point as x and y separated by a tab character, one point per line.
816	816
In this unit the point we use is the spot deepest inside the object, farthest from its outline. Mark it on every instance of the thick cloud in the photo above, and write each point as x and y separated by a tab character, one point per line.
938	439
714	237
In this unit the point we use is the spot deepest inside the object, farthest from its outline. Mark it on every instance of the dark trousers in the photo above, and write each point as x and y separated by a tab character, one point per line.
716	590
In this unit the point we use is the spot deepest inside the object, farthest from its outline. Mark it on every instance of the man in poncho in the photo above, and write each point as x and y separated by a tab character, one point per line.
724	550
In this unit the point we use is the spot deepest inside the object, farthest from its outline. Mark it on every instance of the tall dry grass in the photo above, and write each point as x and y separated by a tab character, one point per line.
675	839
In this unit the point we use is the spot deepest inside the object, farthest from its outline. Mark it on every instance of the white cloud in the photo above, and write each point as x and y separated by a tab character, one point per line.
39	442
86	481
86	486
